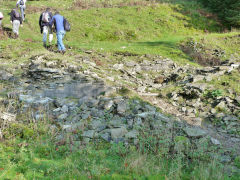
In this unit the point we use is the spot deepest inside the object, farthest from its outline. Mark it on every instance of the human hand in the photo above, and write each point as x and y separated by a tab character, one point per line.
11	22
21	25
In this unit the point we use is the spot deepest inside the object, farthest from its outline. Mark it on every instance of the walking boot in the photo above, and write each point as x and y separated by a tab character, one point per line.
15	36
44	45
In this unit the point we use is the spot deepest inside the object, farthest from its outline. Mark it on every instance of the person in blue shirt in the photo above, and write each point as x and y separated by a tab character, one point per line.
57	20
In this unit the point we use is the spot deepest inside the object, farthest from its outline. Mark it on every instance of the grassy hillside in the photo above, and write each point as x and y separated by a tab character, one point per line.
150	27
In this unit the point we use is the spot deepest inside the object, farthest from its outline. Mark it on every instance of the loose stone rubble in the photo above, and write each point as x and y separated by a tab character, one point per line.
80	102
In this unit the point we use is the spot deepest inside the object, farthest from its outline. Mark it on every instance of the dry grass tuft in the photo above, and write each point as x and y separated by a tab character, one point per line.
84	4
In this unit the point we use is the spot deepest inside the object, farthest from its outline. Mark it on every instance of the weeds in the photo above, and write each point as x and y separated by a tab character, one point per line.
83	4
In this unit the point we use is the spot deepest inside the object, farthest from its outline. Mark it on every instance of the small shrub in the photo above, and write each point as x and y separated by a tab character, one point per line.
201	54
214	94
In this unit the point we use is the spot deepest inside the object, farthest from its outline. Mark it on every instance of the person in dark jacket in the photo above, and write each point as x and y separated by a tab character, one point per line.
44	21
16	20
57	20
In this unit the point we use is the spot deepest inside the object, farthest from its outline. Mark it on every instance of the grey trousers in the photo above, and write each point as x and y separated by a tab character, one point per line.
16	24
22	9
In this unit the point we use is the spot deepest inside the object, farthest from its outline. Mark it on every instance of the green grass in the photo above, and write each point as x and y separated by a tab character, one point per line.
38	157
154	29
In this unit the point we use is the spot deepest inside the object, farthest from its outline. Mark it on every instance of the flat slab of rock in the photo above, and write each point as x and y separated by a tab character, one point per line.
27	98
122	107
132	134
118	132
195	132
7	117
89	133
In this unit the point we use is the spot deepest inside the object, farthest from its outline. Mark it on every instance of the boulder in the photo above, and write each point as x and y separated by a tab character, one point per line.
159	79
118	132
27	99
4	75
88	134
195	132
8	117
122	107
132	134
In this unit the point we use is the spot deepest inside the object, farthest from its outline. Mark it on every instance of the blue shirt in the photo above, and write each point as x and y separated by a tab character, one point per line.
58	20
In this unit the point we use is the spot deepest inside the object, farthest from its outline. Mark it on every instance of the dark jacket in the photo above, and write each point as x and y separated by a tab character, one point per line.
12	16
41	23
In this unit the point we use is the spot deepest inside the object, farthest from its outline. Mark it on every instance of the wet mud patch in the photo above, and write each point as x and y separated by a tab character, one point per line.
33	9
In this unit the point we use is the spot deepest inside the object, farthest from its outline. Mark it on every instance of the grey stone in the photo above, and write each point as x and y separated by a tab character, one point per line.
57	110
118	66
132	134
162	117
225	158
63	116
130	64
146	114
96	124
118	140
141	89
108	104
27	99
92	102
198	78
106	137
122	107
64	109
86	115
39	116
138	121
97	113
117	122
4	75
150	108
231	170
213	111
118	132
195	132
51	64
219	115
215	141
78	125
208	78
238	99
230	118
43	101
130	123
73	68
221	105
7	117
184	109
138	68
88	134
67	127
82	101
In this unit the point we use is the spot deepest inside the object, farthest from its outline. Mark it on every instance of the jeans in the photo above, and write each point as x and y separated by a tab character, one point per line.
22	8
47	29
60	36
